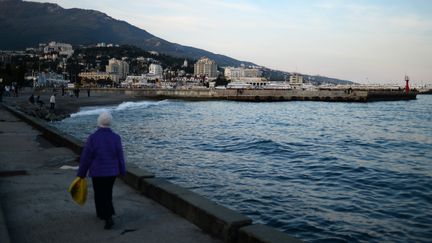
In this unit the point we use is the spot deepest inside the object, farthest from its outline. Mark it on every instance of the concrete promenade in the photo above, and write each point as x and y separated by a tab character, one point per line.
36	206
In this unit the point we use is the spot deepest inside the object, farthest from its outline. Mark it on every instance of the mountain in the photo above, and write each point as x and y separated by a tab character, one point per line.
26	24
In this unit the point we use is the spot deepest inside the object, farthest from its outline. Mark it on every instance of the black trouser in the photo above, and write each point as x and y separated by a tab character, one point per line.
102	187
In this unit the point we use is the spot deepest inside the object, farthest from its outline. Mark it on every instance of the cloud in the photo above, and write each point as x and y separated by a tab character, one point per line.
412	22
351	39
238	6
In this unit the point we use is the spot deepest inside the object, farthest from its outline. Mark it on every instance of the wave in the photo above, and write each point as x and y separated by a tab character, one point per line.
90	111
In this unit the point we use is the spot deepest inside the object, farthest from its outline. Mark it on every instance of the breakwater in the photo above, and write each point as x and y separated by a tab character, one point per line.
269	95
219	221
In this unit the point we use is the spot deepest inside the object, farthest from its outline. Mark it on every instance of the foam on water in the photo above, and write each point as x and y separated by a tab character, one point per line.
96	110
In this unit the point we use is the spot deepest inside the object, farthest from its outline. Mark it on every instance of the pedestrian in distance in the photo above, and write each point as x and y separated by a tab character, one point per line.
1	91
7	90
52	102
39	101
32	99
103	159
88	92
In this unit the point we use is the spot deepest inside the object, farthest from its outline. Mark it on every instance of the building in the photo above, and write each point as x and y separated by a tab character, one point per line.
232	73
143	81
296	79
50	79
205	67
185	63
241	73
98	76
251	73
155	69
118	67
61	49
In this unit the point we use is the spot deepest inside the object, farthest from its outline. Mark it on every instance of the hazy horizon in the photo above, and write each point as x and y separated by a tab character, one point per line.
363	41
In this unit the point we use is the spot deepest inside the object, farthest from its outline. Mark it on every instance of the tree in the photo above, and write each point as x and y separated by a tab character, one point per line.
221	80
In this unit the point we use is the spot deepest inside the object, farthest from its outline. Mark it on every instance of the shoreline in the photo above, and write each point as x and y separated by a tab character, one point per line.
66	105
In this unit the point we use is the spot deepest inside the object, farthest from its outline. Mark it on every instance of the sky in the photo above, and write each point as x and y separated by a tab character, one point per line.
365	41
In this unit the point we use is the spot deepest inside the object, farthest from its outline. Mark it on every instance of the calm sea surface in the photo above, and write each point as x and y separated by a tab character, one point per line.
322	172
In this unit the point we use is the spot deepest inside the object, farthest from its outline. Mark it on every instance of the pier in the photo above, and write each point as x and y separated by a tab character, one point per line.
273	95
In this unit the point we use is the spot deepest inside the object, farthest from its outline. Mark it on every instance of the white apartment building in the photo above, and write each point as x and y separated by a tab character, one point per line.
155	69
99	76
139	81
241	73
118	67
62	49
46	79
296	79
205	66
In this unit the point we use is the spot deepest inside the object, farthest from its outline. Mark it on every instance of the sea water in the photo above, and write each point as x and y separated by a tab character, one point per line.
348	172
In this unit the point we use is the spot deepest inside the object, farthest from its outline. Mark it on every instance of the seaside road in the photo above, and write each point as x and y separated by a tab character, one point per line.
37	207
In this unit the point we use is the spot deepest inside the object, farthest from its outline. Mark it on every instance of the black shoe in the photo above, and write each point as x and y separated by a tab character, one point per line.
109	223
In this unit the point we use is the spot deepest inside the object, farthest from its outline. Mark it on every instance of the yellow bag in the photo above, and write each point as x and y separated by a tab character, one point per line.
78	190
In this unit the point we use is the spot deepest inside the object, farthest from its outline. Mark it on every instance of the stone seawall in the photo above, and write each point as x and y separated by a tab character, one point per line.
254	95
267	95
216	220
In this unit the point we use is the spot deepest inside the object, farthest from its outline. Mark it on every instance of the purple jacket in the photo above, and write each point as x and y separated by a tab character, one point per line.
102	155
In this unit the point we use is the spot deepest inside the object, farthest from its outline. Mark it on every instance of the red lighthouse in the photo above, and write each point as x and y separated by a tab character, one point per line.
407	88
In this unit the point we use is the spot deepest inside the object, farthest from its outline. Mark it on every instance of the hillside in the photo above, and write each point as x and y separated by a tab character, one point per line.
26	24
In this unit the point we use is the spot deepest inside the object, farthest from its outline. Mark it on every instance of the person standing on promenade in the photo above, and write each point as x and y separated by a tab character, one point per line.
1	90
52	102
32	99
103	157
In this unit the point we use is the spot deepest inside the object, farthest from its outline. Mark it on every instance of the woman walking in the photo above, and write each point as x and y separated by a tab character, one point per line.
103	157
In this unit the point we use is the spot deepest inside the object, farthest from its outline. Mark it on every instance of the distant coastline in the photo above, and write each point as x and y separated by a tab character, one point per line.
66	105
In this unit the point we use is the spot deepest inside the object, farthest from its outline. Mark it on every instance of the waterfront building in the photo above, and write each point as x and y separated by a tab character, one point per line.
49	79
232	73
251	73
296	79
118	67
86	76
242	73
205	67
62	49
139	81
145	80
155	69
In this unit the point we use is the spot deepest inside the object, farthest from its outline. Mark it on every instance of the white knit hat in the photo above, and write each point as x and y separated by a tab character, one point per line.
104	119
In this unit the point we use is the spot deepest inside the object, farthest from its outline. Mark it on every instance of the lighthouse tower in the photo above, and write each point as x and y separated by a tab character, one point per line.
407	88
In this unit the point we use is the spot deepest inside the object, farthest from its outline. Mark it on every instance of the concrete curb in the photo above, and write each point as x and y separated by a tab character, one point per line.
218	221
134	176
4	233
261	233
212	218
